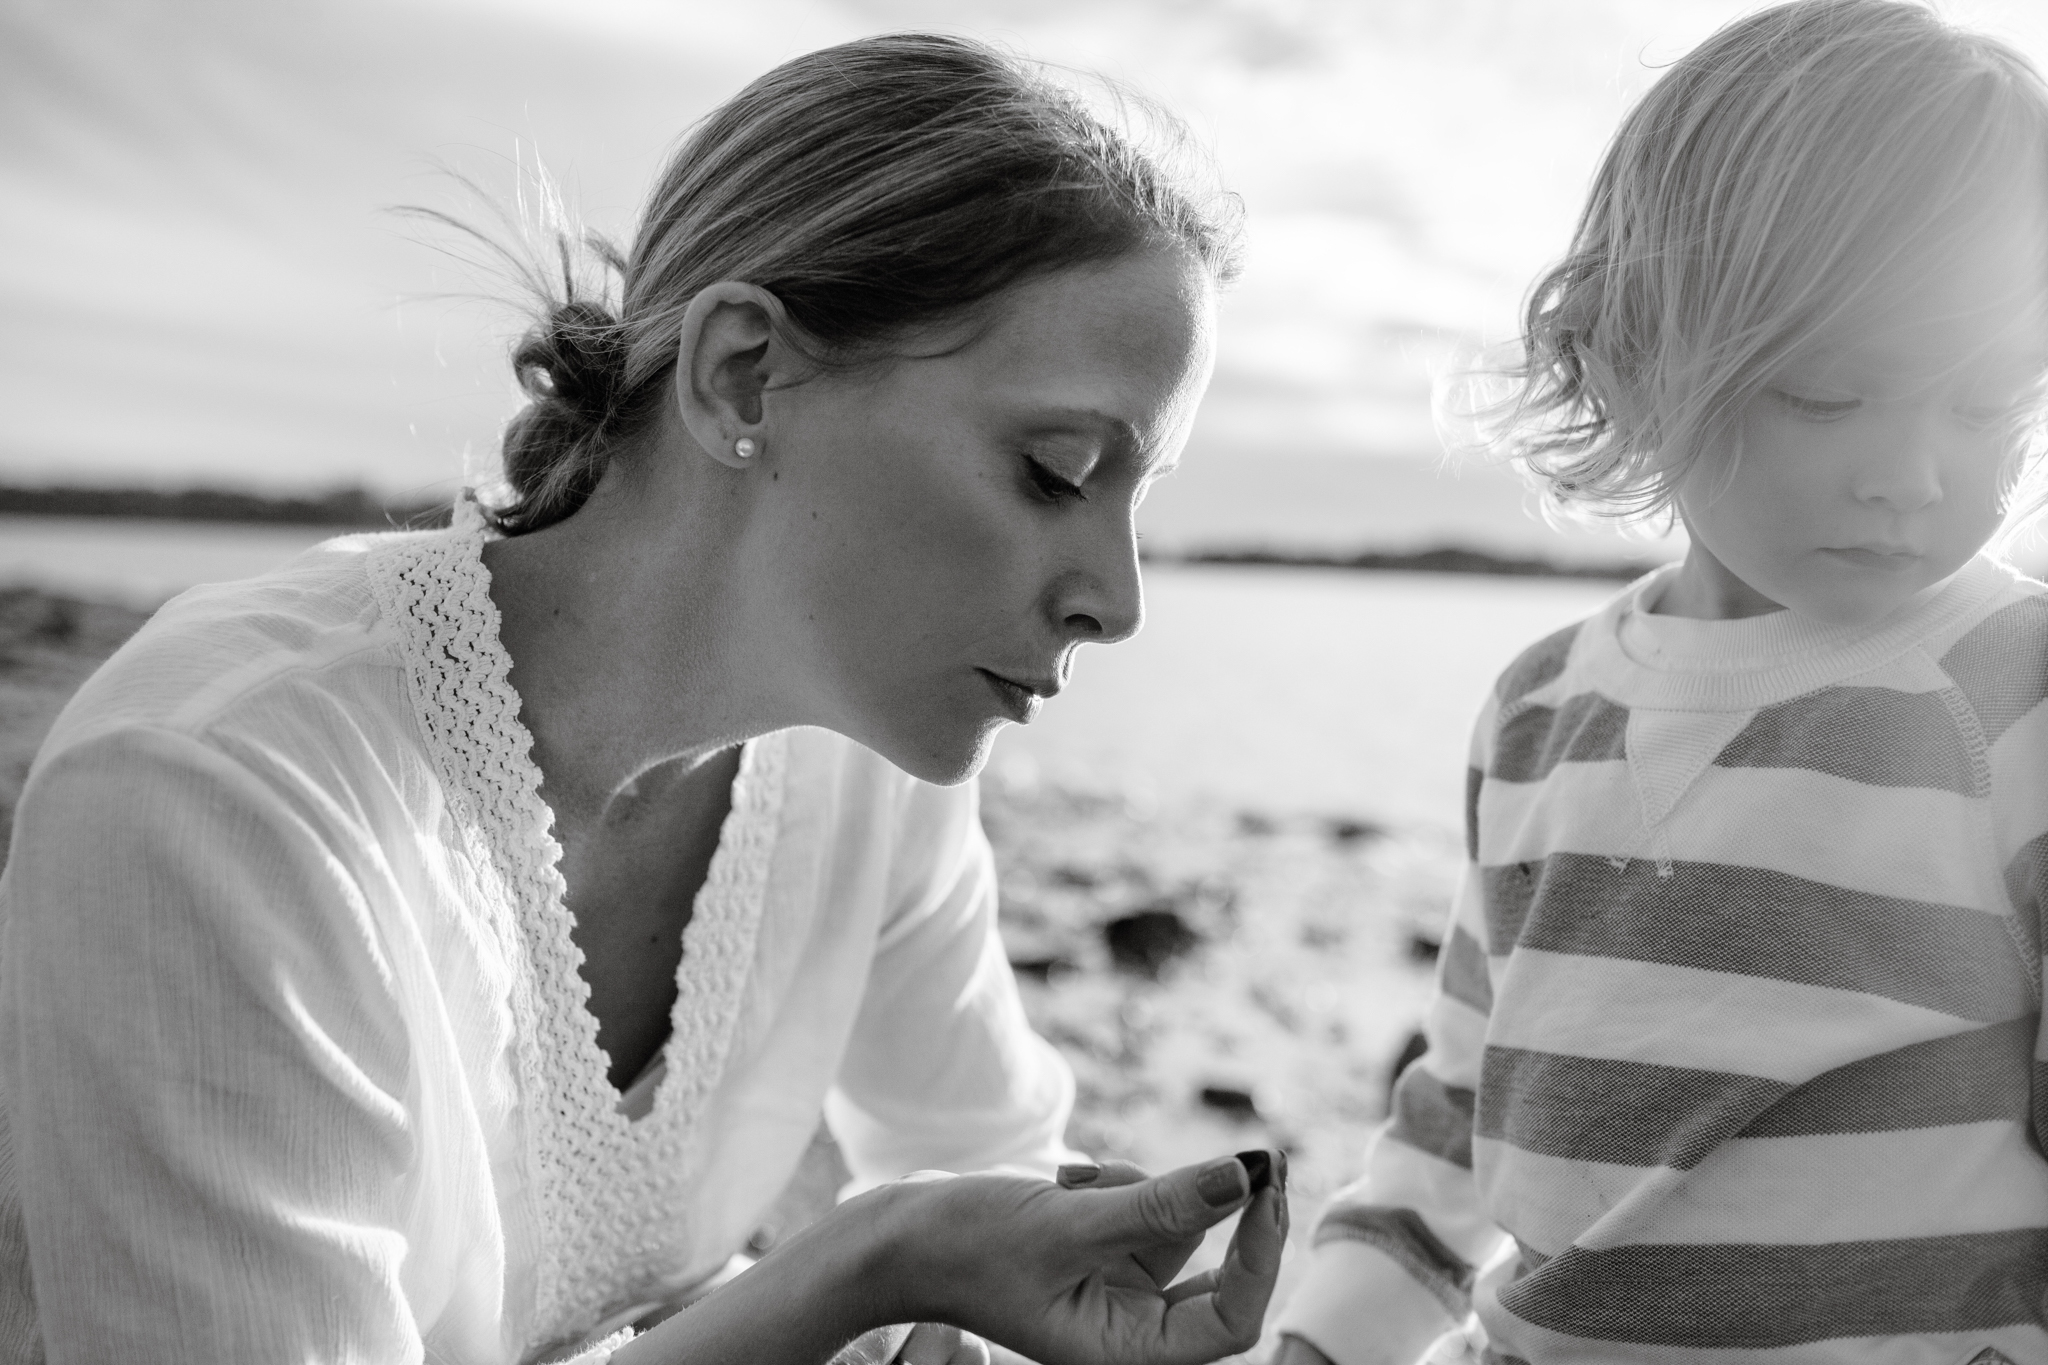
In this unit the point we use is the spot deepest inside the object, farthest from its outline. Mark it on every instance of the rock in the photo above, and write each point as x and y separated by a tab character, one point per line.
1348	830
1145	941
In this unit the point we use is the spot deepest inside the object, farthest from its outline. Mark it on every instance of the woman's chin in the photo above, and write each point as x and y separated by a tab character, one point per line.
943	755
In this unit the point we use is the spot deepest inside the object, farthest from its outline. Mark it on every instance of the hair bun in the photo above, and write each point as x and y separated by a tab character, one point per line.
575	360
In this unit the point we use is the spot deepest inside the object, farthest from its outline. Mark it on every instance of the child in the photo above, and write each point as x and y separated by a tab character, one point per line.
1734	1051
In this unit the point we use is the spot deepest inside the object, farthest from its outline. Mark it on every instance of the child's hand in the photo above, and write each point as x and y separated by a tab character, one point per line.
925	1343
1294	1351
934	1343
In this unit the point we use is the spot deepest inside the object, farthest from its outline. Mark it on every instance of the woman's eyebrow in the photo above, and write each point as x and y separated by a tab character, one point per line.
1088	417
1118	435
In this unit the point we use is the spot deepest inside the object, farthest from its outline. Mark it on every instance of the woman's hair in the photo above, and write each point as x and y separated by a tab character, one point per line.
876	188
1768	189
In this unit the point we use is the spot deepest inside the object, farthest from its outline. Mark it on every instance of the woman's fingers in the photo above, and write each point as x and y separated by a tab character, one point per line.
1171	1208
1204	1283
1244	1282
1101	1175
1160	1264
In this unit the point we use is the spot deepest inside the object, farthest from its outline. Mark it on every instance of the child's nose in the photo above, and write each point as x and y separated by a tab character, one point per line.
1902	471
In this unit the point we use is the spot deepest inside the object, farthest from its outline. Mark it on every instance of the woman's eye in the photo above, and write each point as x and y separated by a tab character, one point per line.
1818	409
1050	484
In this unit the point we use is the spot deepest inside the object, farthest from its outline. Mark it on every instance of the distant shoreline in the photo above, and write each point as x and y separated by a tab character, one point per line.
1438	559
357	508
343	507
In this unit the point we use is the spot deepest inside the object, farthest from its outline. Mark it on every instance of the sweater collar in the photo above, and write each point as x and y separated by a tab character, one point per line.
1642	659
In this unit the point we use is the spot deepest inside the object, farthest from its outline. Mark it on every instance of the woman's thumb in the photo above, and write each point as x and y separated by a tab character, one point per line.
1178	1204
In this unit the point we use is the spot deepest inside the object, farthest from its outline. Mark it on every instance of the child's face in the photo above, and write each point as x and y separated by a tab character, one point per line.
1876	464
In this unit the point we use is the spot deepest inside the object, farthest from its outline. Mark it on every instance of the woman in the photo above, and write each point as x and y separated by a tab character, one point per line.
443	947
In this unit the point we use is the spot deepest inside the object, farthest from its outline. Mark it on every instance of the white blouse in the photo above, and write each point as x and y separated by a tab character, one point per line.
295	1057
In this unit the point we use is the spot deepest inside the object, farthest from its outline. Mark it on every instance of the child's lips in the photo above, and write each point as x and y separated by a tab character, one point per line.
1887	558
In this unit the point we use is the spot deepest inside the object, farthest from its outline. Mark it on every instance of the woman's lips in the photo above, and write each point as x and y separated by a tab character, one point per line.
1020	700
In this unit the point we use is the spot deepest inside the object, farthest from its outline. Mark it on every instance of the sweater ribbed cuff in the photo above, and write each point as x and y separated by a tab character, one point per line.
1358	1307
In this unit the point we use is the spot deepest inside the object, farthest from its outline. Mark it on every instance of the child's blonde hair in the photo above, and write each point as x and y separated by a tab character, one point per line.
1773	180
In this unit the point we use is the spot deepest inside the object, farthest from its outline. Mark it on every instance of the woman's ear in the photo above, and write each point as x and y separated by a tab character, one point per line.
728	352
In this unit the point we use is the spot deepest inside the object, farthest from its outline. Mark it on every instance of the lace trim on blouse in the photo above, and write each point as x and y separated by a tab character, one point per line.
611	1189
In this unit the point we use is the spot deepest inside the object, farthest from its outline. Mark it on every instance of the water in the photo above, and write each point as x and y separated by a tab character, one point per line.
1286	690
1271	689
141	562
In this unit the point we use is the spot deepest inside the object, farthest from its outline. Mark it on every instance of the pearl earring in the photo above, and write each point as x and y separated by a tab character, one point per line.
746	447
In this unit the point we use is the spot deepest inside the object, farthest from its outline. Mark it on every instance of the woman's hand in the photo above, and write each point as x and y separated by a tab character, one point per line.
1079	1276
1062	1276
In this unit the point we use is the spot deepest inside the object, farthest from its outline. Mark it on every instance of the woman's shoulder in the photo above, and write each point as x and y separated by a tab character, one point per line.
309	635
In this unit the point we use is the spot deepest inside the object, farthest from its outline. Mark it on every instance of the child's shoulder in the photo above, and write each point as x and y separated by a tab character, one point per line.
1544	662
1537	666
1998	656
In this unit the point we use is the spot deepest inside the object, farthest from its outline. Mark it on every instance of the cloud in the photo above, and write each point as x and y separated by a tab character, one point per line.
201	284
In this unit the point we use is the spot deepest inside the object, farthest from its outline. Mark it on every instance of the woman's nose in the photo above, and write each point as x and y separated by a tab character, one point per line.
1103	600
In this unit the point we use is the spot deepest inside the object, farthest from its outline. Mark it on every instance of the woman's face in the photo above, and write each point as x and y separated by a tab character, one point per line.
941	532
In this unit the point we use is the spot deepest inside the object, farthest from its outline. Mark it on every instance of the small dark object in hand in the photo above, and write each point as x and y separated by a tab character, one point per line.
1236	1103
1259	1166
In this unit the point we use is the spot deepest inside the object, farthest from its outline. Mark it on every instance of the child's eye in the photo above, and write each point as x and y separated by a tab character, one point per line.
1050	484
1818	409
1984	416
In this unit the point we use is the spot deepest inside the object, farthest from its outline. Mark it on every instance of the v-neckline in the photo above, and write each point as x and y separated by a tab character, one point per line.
634	1098
707	907
610	1189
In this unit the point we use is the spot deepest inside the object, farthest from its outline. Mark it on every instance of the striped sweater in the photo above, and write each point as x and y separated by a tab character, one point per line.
1735	1050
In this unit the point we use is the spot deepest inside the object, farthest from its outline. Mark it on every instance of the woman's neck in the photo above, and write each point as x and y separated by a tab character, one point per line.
632	642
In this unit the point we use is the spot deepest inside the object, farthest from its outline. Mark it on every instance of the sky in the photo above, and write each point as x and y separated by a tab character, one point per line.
202	282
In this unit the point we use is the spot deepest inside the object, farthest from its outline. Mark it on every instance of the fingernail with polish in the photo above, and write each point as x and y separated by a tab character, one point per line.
1258	1165
1079	1173
1222	1182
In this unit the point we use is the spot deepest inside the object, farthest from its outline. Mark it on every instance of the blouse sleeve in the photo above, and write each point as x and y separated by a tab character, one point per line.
942	1071
204	1067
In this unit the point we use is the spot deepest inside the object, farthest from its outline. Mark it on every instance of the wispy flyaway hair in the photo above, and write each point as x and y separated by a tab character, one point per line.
876	188
1773	186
